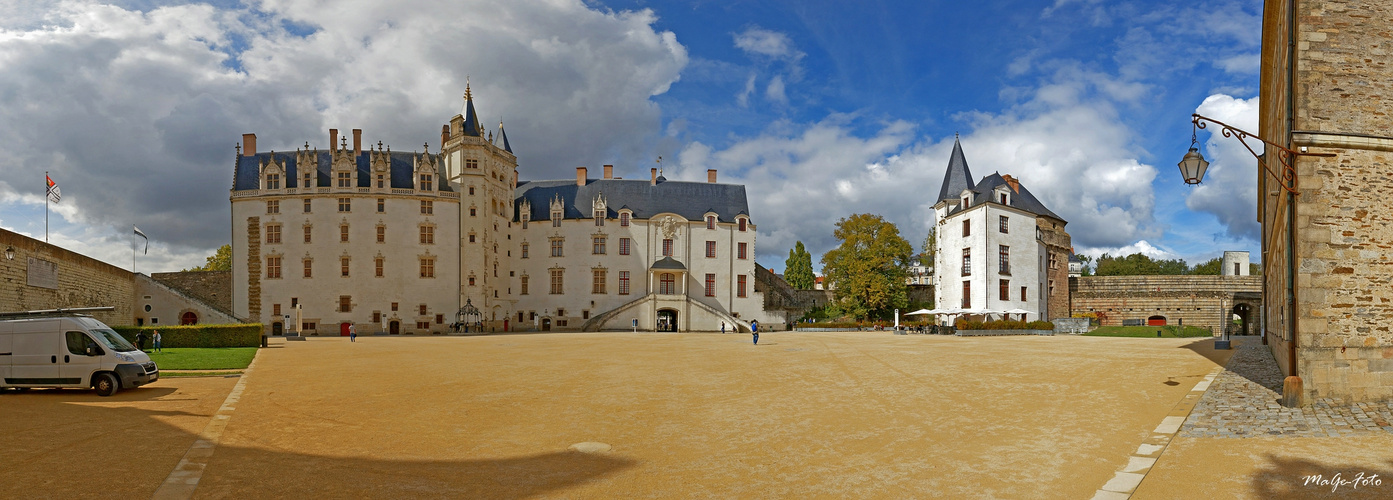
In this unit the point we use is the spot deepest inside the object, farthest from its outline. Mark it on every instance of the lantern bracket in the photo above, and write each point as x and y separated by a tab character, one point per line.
1287	179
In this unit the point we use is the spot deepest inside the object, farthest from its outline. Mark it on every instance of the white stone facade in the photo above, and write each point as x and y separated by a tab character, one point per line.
982	273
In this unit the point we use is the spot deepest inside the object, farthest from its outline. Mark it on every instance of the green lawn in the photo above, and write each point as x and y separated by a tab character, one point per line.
1148	331
210	358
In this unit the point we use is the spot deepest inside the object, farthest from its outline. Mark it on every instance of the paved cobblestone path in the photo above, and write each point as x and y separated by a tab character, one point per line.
1243	402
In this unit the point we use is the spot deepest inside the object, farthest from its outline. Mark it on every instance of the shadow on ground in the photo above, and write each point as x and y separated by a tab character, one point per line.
47	432
1287	478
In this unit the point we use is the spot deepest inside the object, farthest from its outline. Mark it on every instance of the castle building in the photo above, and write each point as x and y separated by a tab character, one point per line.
997	247
398	242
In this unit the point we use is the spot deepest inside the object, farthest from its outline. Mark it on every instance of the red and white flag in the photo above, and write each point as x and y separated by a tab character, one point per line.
53	194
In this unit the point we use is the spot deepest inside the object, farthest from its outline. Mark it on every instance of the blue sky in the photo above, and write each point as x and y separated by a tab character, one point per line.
822	109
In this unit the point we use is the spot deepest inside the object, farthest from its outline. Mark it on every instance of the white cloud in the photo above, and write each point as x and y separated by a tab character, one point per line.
1242	63
775	91
743	98
771	44
1229	189
1142	247
136	113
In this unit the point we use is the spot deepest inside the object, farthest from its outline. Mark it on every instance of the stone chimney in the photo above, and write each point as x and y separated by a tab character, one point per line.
248	144
444	136
333	140
609	171
654	173
711	175
580	176
357	142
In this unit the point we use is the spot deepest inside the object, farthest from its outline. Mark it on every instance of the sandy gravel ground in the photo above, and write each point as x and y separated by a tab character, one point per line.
819	415
75	444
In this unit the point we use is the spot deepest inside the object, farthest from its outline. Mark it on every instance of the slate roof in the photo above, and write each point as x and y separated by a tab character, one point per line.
1023	200
958	177
668	263
248	169
691	200
504	135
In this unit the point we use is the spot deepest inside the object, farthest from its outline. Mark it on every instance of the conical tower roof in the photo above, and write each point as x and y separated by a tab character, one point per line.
504	136
471	121
958	177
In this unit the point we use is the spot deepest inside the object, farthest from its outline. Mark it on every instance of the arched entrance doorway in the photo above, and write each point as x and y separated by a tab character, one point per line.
1243	312
277	328
1156	321
188	318
667	320
546	324
394	327
343	329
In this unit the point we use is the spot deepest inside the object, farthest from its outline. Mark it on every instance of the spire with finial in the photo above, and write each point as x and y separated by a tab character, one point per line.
503	136
958	177
471	123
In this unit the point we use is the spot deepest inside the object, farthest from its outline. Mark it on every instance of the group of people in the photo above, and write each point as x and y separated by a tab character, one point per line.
154	335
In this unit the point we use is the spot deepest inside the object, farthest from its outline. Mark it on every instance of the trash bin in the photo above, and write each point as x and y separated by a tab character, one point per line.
263	341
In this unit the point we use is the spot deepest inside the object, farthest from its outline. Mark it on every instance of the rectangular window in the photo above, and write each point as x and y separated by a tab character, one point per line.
381	181
597	283
667	247
742	251
1022	294
275	309
597	246
623	246
381	205
440	319
427	235
273	268
394	307
426	182
377	265
307	233
523	281
273	181
967	227
967	262
422	308
474	212
742	224
524	250
308	273
599	219
967	295
711	249
710	222
427	207
1003	260
740	286
1005	292
556	219
309	180
557	281
1003	201
471	163
667	284
343	266
273	207
345	204
624	219
345	179
307	205
427	267
377	316
381	234
710	285
623	282
1236	269
343	233
556	247
273	233
346	303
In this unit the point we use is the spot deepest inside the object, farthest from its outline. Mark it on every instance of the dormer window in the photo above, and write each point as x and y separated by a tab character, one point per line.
710	222
345	179
967	202
273	181
426	180
555	218
623	219
1004	199
309	180
742	224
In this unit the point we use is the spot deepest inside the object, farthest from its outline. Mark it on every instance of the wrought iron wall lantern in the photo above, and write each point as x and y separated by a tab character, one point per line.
1194	164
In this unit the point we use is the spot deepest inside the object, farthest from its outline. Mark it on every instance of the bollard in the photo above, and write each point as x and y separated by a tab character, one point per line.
1291	392
263	341
1158	333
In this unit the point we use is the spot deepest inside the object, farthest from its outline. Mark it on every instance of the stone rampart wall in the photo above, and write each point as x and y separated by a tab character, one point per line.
81	281
1202	301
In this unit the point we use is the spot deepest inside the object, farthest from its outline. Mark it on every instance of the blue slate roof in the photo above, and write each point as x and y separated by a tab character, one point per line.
958	177
1023	200
691	200
248	169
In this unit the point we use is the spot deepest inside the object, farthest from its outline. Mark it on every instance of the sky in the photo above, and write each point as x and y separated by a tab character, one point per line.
821	109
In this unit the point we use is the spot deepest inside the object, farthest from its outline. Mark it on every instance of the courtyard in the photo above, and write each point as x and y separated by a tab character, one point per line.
604	415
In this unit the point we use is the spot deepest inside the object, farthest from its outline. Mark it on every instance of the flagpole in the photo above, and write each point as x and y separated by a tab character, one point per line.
45	206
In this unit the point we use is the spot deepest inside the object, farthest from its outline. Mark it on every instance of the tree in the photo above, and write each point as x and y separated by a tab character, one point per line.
1255	269
219	261
1138	264
798	269
1087	268
870	267
926	257
1209	267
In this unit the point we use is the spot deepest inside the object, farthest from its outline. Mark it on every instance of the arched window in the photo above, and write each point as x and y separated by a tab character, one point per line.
188	318
667	284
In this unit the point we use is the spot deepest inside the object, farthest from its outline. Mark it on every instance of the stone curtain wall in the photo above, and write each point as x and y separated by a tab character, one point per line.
82	281
1193	300
211	287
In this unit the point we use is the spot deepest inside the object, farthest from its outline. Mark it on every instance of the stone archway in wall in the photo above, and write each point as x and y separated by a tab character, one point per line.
1247	306
1244	313
1156	321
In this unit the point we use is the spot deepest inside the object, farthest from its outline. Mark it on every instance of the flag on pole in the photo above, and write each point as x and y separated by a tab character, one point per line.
142	235
53	194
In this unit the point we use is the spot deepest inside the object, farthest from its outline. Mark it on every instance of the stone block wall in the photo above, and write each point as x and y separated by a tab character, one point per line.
82	281
211	287
1202	301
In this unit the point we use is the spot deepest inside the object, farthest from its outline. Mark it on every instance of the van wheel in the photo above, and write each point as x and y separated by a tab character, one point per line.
105	384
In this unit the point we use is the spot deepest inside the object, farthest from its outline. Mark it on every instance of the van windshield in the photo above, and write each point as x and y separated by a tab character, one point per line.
112	341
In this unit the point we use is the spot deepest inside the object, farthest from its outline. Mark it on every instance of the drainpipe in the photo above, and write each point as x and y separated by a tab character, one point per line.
1291	198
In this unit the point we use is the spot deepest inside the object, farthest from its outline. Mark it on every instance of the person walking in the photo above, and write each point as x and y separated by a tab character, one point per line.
754	328
723	328
352	333
140	340
157	339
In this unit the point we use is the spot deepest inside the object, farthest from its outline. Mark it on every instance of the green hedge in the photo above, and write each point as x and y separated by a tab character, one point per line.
243	335
963	324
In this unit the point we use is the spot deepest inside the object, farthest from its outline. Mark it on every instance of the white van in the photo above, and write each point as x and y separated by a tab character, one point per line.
70	351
